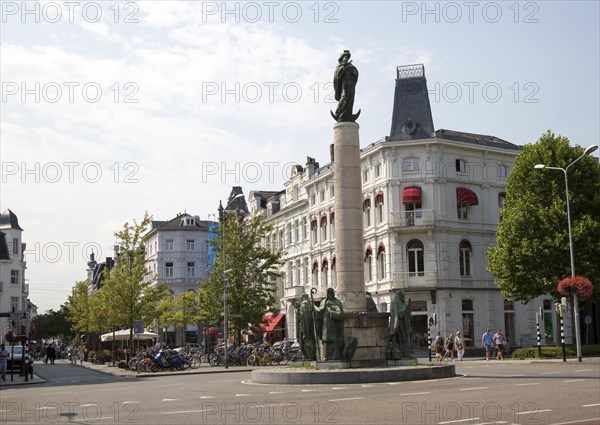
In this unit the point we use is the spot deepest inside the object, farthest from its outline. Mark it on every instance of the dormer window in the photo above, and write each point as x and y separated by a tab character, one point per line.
461	166
188	221
502	171
410	165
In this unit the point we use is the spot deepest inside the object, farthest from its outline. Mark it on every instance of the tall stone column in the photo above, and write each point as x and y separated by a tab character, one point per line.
348	217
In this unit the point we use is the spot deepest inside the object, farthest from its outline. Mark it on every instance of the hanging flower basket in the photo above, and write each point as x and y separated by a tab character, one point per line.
579	285
9	337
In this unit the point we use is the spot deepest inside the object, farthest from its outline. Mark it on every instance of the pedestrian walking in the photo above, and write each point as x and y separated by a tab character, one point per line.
4	355
459	344
47	355
439	347
486	342
449	348
72	353
499	341
52	354
81	352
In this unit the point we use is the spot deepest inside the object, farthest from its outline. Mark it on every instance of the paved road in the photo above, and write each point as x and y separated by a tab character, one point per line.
486	392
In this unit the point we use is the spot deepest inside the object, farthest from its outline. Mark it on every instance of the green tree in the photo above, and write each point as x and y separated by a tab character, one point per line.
251	267
532	242
127	287
79	307
53	324
181	311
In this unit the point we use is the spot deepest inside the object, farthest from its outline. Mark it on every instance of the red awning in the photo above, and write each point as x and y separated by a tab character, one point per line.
466	196
273	321
411	195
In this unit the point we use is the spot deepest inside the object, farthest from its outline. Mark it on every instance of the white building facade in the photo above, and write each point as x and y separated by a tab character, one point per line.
431	203
15	310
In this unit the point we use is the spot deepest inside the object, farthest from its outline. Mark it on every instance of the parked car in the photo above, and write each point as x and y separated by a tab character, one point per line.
14	358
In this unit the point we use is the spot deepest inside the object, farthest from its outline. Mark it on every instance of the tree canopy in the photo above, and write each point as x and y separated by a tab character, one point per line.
532	241
251	277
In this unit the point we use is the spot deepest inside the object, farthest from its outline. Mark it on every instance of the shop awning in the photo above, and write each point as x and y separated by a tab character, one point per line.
273	320
466	196
411	195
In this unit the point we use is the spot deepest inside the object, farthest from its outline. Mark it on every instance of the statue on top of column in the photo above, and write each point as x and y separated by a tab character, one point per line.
344	84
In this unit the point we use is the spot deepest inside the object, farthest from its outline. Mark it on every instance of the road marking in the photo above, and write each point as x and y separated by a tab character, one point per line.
185	411
533	411
88	405
549	373
46	407
169	399
346	399
591	405
98	419
394	383
584	370
207	396
424	392
338	388
131	402
575	380
308	391
529	383
367	385
491	423
276	392
576	422
459	420
474	389
425	381
242	395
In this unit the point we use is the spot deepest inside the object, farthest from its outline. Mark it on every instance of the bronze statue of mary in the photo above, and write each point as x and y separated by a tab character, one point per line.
344	84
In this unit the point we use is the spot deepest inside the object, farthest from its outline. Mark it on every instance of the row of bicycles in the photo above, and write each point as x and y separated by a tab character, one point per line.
279	354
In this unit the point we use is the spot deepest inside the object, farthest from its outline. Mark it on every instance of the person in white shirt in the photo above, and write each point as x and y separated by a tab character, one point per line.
459	345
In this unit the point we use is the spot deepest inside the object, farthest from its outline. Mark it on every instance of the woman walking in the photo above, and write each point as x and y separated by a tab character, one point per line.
449	346
459	343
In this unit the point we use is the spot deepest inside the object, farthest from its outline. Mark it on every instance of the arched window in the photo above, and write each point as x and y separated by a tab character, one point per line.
368	264
381	261
315	273
324	271
333	274
367	212
332	223
465	258
379	207
324	228
313	230
415	258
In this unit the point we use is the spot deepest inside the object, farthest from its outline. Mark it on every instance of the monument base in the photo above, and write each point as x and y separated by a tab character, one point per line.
402	362
373	335
333	364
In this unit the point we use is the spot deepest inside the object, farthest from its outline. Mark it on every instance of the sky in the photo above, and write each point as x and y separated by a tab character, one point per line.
111	109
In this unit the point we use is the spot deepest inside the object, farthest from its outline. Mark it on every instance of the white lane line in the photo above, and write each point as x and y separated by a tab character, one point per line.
46	408
242	395
207	396
458	421
549	373
394	383
528	383
474	389
533	411
169	399
346	399
308	391
185	411
88	405
424	392
338	388
576	422
131	402
425	381
584	370
590	405
276	392
575	380
367	385
97	419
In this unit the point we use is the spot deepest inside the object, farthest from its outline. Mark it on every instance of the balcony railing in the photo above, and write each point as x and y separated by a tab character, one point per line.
412	218
294	292
409	280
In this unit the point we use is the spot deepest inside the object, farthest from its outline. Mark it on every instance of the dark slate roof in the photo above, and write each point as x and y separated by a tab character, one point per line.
411	116
8	219
177	224
4	253
234	204
478	139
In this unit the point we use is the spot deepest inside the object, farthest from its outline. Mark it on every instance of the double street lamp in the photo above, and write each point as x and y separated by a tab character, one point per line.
588	151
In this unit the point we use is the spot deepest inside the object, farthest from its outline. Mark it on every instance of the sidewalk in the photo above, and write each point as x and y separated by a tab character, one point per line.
20	380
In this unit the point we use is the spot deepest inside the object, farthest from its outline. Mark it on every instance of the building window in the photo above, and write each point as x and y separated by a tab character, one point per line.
465	258
333	274
368	264
15	245
14	304
365	175
323	196
332	223
315	273
289	233
191	269
305	271
548	325
324	271
313	231
502	171
467	323
298	270
305	228
331	192
190	245
501	198
379	207
290	274
378	170
462	211
168	244
461	166
281	244
410	165
324	228
296	231
367	212
14	277
381	261
168	269
416	260
313	199
268	242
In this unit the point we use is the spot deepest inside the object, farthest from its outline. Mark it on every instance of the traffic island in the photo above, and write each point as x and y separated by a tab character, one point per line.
302	376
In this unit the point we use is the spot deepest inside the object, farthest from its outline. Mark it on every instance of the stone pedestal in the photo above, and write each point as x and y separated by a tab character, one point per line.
348	218
372	332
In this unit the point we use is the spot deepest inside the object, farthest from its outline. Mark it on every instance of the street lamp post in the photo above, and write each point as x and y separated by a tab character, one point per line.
588	151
